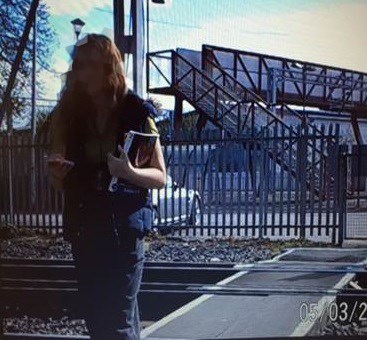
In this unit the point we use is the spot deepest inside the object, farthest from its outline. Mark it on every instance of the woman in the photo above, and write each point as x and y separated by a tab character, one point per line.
106	229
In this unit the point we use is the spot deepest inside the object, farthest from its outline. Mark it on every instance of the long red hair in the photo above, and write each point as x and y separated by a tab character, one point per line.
72	115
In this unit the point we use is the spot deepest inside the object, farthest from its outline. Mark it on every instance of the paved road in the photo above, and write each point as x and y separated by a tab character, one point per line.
223	316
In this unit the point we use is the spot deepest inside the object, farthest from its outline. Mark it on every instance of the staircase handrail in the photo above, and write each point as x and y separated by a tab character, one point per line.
328	79
304	119
228	93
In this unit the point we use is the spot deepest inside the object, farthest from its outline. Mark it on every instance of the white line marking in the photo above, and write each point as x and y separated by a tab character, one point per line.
304	328
192	304
167	339
185	308
332	249
300	330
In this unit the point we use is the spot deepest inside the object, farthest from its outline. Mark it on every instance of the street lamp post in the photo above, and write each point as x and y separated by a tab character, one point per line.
34	115
78	25
133	43
147	5
159	2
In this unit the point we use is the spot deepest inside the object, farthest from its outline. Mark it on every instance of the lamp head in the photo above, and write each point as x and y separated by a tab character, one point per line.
78	25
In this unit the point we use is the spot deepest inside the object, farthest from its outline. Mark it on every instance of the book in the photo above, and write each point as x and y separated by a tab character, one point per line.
139	147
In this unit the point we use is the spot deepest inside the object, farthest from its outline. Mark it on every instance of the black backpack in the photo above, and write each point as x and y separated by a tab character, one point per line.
134	111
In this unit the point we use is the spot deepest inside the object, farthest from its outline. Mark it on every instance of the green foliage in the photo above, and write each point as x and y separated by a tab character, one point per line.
13	14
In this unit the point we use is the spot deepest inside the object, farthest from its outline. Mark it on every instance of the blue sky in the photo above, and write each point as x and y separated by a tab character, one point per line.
329	32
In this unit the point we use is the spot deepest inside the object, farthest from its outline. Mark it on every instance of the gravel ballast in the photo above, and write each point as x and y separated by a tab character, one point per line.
158	249
28	244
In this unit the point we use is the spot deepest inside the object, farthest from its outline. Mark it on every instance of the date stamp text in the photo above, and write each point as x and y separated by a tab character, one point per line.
335	312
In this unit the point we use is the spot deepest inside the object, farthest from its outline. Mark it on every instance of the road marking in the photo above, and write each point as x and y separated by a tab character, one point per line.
192	304
301	330
166	339
332	249
304	328
185	308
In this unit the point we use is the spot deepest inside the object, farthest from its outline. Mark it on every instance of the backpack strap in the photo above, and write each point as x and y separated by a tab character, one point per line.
133	113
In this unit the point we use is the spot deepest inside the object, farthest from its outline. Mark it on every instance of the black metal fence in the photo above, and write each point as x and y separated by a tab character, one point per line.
245	190
26	198
356	193
269	185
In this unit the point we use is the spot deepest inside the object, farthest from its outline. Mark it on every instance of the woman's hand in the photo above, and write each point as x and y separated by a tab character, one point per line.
119	167
59	166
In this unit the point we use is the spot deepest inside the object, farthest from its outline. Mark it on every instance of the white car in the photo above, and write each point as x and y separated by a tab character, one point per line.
166	205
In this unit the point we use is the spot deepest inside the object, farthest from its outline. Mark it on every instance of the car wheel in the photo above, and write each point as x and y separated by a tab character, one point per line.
195	212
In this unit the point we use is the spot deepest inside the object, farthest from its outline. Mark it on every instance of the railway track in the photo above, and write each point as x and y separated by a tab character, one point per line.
45	288
26	283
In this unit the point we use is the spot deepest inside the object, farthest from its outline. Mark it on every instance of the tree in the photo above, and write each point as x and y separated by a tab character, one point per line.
13	14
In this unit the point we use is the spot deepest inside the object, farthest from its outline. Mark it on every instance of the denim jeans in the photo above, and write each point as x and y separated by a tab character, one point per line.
109	268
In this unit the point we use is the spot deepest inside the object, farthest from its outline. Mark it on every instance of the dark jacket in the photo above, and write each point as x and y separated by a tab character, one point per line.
88	202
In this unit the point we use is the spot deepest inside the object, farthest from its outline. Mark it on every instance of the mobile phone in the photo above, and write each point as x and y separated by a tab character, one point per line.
58	161
69	162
